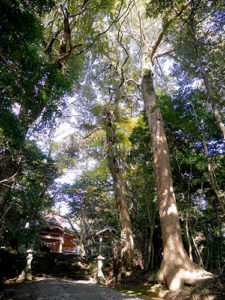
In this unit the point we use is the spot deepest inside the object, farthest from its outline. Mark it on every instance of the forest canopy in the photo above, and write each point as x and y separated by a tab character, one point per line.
112	115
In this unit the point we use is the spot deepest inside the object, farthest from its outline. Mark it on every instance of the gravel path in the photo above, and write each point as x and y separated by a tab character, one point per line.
62	289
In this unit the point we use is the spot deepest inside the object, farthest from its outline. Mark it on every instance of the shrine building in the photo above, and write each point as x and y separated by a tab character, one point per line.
54	238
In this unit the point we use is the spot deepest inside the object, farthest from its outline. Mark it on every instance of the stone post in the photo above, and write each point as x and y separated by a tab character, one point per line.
26	273
100	276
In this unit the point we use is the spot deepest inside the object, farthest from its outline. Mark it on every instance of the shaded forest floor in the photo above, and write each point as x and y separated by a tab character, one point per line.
57	289
209	290
154	291
47	284
50	288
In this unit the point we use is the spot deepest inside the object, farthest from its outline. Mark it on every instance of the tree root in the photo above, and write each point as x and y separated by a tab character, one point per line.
175	277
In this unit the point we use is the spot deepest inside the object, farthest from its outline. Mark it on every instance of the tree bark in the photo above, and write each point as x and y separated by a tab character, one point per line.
126	230
150	246
177	268
188	236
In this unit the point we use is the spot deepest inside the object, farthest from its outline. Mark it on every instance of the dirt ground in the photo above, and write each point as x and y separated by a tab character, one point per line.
58	289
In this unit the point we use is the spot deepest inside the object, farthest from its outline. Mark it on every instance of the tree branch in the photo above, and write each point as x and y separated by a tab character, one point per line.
90	133
48	48
68	53
132	81
118	17
164	53
10	178
165	27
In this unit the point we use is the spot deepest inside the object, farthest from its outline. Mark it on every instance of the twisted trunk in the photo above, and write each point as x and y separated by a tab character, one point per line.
177	268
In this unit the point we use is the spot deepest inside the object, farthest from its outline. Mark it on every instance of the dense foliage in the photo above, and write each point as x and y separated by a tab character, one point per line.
78	65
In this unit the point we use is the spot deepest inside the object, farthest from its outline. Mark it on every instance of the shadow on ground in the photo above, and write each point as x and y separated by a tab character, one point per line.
57	289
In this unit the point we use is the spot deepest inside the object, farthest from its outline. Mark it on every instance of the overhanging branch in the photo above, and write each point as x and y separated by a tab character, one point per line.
165	27
90	133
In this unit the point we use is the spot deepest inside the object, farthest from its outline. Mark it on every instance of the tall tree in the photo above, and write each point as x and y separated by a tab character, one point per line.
194	192
198	49
141	187
114	167
33	80
177	268
30	86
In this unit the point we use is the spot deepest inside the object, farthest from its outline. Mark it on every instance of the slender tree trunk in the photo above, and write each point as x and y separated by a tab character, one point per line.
211	173
211	99
177	268
209	91
151	219
188	236
150	246
198	253
126	231
212	178
187	217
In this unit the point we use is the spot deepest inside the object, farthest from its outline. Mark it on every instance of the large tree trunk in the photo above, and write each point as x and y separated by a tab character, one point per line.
126	231
177	268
